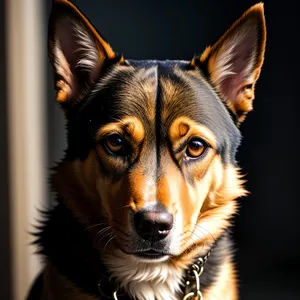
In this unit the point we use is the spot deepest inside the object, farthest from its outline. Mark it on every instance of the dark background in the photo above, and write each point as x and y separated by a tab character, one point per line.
267	231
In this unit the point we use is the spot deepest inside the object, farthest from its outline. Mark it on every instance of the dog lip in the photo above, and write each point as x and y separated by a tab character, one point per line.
150	254
147	253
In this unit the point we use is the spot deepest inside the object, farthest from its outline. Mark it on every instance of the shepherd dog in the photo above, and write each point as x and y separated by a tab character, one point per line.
149	185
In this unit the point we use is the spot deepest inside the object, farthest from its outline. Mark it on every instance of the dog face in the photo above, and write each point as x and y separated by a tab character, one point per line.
151	144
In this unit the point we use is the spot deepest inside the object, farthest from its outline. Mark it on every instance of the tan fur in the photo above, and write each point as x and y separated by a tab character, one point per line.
132	126
183	126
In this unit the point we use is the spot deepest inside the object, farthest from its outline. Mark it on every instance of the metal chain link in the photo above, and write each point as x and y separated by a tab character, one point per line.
194	273
115	295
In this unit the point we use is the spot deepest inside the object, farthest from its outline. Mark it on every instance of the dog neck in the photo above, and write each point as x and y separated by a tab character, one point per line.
66	245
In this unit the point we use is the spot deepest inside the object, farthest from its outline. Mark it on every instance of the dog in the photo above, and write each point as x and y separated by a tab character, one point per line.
148	186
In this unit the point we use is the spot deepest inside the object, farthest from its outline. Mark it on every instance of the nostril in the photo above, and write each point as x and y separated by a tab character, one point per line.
154	224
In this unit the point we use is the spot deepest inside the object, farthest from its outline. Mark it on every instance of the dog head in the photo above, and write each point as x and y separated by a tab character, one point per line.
152	144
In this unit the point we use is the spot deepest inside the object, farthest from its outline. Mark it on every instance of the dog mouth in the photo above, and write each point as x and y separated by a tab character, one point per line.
148	254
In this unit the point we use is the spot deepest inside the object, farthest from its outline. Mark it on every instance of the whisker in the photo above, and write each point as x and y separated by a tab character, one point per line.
110	240
103	230
101	236
201	227
103	233
195	236
100	240
92	226
186	240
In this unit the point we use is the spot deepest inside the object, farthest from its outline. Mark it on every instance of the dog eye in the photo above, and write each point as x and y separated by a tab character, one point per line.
115	144
195	147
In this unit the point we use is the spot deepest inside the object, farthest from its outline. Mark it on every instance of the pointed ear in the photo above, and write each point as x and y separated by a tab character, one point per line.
77	52
234	62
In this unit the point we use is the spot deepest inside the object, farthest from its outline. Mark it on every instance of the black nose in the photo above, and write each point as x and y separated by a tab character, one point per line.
153	224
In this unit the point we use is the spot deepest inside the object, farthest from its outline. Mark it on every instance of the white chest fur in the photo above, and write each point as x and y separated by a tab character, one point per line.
143	280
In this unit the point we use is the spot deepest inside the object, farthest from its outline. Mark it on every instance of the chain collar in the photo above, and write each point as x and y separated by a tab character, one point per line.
110	290
192	276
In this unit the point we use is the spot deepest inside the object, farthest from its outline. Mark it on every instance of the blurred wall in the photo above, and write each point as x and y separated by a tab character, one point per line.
5	283
25	58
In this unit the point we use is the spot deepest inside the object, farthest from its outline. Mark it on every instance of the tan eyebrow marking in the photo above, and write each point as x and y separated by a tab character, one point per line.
131	125
184	125
183	129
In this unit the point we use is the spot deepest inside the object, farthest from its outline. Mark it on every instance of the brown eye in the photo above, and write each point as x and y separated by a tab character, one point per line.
115	144
195	148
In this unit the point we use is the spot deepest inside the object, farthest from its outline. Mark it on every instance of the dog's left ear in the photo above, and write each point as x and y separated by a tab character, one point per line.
77	53
234	62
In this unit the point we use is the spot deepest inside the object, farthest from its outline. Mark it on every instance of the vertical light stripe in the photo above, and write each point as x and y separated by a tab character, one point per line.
26	114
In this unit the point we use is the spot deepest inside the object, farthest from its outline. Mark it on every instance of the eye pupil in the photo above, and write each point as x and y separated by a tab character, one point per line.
196	144
116	141
115	144
195	148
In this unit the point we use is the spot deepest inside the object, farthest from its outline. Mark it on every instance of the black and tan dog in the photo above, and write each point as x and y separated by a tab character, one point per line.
148	185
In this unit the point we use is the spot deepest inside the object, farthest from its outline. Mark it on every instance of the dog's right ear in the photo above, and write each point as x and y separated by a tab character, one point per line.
77	52
234	62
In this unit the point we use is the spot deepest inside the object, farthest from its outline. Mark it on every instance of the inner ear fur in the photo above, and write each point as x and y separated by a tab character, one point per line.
234	62
77	52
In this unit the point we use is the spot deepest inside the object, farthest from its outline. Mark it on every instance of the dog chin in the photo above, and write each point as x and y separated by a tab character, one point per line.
149	260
